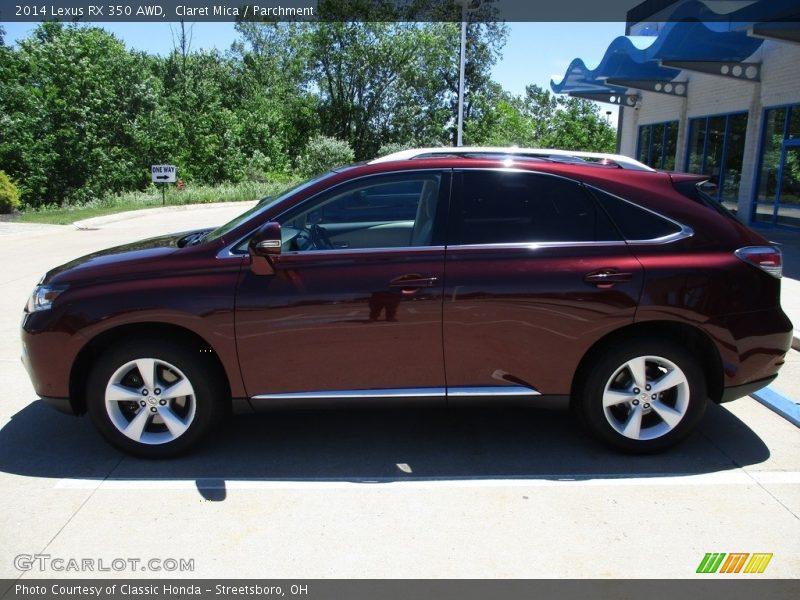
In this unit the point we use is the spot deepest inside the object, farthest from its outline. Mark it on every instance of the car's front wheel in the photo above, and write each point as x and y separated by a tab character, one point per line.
153	399
642	395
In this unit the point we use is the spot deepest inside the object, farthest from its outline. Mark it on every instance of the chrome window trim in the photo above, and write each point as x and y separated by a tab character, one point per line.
685	232
343	251
491	390
532	245
434	392
431	392
340	251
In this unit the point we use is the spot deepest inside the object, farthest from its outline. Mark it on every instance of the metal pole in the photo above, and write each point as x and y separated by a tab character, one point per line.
462	65
163	194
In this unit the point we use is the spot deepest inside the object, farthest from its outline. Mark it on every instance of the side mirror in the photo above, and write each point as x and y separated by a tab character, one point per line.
266	241
264	246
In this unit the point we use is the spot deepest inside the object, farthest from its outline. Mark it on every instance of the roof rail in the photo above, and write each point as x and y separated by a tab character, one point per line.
623	162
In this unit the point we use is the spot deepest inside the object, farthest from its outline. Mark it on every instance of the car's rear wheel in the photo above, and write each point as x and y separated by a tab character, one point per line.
643	395
153	399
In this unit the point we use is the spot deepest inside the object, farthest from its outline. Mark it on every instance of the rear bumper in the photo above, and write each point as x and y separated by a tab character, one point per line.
752	347
740	391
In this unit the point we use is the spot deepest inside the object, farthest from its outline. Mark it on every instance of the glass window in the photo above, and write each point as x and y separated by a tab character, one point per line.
697	145
381	212
732	177
790	182
670	146
658	144
715	144
501	207
263	204
716	149
644	144
778	199
657	150
633	221
774	124
794	123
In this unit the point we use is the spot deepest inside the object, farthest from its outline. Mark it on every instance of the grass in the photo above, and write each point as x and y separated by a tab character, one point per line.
151	198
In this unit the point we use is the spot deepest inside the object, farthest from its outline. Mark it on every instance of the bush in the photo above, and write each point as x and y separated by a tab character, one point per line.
9	196
393	147
322	154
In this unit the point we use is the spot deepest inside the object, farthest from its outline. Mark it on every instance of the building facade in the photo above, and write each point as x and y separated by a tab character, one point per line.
710	93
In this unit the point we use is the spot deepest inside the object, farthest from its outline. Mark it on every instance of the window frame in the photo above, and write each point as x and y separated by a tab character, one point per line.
776	203
651	129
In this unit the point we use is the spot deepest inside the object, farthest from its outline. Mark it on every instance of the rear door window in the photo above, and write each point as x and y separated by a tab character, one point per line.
502	207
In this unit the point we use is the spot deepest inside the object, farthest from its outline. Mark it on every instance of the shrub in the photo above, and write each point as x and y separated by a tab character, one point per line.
9	196
393	147
322	154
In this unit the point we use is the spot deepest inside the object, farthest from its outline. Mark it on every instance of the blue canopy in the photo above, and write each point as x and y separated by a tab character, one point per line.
693	33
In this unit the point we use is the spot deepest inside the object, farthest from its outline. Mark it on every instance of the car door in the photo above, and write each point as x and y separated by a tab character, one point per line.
354	306
535	274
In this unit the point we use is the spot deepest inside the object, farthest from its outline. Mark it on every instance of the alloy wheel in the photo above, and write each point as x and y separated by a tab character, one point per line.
150	401
646	398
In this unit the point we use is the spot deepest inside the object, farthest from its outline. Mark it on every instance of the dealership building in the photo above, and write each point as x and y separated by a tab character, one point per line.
710	93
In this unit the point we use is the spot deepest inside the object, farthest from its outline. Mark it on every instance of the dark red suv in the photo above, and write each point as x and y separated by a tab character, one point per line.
624	294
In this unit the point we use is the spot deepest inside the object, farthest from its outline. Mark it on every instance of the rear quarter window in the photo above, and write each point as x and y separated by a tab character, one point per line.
634	222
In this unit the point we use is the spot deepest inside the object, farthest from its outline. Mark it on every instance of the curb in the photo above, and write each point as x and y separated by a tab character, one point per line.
776	402
97	222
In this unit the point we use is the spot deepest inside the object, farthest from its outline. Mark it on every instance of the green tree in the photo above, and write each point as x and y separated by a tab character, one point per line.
540	119
199	130
71	96
275	109
357	67
578	125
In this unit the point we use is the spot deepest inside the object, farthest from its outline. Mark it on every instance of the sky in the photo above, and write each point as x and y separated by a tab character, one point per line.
534	52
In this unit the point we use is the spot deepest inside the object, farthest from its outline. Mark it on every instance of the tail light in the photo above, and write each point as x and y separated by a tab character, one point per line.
766	258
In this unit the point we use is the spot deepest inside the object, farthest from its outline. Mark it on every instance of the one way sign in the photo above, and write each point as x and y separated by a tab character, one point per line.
163	173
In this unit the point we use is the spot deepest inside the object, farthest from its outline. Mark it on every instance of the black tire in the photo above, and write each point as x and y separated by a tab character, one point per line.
615	425
197	413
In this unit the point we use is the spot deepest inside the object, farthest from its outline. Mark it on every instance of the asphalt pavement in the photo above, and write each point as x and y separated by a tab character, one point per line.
377	493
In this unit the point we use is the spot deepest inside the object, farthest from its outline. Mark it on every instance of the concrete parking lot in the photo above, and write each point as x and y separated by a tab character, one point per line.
377	493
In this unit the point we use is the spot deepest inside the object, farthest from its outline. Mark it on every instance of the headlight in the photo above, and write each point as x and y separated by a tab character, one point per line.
43	297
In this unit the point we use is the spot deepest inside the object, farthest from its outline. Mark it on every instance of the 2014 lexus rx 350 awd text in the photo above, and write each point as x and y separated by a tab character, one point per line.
447	277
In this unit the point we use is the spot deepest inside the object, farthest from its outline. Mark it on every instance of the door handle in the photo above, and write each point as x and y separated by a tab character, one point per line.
411	283
606	278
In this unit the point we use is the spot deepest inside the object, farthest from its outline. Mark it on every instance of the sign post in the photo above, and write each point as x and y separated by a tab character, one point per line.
163	174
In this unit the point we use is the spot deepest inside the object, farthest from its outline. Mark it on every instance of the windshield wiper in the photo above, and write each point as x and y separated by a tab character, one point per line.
193	238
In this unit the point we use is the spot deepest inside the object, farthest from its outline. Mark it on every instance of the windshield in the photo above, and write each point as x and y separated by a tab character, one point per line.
262	205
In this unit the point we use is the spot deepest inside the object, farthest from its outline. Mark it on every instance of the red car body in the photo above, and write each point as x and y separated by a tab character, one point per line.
463	322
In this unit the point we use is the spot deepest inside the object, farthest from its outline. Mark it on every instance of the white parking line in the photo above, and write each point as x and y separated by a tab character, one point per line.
737	477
